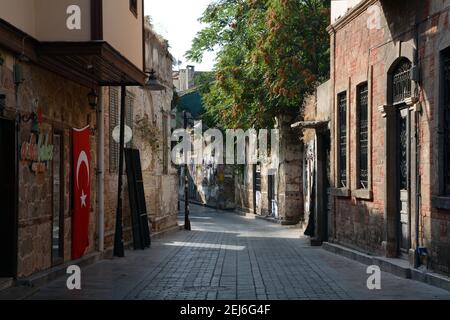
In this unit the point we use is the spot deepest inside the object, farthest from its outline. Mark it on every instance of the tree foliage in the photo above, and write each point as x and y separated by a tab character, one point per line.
270	54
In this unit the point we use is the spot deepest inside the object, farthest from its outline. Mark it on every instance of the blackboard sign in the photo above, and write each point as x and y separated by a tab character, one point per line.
139	216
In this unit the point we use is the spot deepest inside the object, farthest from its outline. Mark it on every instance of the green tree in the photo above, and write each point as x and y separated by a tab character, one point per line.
270	54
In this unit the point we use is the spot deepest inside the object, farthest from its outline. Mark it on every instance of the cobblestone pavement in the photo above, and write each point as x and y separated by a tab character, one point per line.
227	256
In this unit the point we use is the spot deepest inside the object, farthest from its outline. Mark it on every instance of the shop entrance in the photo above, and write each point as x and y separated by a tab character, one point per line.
7	199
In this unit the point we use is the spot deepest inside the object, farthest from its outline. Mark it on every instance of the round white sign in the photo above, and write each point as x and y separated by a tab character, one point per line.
128	134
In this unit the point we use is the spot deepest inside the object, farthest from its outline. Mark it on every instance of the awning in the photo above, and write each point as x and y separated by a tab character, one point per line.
89	62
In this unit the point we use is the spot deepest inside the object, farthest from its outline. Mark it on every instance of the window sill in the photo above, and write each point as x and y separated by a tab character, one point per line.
363	194
441	202
340	192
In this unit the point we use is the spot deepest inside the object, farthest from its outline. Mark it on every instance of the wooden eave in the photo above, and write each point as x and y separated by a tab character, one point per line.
87	63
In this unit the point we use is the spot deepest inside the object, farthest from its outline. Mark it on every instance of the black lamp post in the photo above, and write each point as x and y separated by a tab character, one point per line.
119	250
32	117
187	222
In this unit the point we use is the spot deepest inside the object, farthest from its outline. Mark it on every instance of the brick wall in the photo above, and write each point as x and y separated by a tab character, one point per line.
363	54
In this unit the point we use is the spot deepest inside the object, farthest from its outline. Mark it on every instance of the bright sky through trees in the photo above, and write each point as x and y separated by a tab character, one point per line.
176	21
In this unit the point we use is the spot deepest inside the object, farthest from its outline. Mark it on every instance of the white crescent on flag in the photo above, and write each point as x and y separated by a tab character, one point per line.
82	159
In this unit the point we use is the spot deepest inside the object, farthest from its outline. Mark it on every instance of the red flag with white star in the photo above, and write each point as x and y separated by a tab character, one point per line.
81	191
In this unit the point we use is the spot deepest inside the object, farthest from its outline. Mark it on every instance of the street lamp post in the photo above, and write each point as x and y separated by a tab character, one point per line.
151	84
187	222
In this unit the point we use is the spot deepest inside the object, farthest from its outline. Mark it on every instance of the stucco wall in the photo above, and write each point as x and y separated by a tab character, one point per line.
123	30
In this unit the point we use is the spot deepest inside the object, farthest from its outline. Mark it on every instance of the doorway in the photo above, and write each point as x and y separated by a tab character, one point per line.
403	178
271	195
8	193
257	189
323	183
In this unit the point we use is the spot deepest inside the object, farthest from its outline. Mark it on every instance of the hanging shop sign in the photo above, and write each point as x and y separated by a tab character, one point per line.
38	152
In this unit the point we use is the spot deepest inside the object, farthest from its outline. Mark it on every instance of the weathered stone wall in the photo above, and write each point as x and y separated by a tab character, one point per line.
287	182
150	110
160	176
64	106
111	184
214	185
434	37
244	189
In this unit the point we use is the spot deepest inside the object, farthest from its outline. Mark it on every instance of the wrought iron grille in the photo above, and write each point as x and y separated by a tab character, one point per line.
401	82
342	105
129	114
403	153
363	132
446	124
258	177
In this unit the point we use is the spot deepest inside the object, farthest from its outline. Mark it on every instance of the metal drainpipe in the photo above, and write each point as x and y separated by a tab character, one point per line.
101	172
332	134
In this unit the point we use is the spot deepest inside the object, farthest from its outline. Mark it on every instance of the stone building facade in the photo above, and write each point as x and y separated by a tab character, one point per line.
148	114
314	132
63	105
49	79
390	130
278	195
184	79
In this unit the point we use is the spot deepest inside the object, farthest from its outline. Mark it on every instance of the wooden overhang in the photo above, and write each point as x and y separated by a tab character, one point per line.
94	61
87	63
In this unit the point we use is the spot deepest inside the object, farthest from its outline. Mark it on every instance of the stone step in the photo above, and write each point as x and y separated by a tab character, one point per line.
398	267
6	283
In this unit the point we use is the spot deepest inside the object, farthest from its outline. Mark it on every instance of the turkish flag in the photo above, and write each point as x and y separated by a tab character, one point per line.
81	191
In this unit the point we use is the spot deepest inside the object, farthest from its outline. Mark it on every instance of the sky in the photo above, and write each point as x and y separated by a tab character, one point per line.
177	21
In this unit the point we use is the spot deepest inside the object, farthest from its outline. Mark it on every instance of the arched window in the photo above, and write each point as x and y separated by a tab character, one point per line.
401	81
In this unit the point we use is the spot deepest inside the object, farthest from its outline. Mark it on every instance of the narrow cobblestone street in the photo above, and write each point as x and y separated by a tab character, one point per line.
227	256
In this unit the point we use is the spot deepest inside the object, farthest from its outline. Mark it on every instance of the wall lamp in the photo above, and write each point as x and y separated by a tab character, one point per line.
32	117
34	121
93	99
152	83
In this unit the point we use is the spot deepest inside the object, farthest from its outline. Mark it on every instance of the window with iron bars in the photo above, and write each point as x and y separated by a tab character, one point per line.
129	100
446	123
401	82
113	122
342	136
363	135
